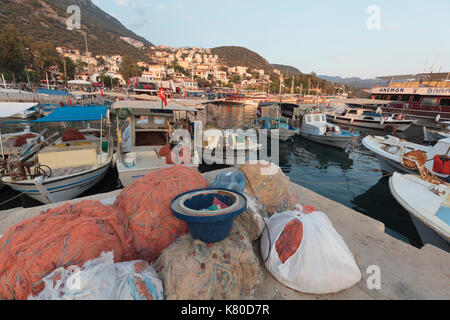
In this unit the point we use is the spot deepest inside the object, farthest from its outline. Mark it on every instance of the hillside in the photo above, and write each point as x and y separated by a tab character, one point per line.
46	20
240	56
355	82
286	70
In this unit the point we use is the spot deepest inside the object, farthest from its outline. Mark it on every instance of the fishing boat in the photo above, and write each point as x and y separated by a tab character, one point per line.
367	118
428	203
271	123
433	135
9	143
391	151
148	128
315	128
226	146
59	169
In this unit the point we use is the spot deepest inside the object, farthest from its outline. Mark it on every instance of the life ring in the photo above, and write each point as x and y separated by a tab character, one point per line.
386	117
401	117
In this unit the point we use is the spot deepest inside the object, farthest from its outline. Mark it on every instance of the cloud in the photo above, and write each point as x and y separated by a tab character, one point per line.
393	27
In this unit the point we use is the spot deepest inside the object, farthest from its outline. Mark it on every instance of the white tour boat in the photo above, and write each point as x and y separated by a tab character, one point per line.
368	118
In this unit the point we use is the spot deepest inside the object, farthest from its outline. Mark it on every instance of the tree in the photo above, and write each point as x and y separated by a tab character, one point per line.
13	51
236	78
43	56
70	67
129	68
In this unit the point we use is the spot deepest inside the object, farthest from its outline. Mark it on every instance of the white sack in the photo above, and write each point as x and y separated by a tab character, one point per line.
101	279
322	264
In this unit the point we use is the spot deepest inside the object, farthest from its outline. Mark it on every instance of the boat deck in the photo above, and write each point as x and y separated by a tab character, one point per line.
406	272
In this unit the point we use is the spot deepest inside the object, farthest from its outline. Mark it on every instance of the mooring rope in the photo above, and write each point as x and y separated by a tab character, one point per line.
15	197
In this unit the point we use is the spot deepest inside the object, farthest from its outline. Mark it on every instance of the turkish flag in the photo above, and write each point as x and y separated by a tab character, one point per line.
70	101
162	95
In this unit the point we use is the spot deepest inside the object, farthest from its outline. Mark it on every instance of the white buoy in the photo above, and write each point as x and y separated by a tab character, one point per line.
438	117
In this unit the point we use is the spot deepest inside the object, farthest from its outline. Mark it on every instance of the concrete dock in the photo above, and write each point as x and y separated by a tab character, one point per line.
406	272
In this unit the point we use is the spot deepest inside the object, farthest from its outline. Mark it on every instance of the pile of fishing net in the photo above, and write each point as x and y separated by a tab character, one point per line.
147	202
67	235
193	270
72	135
271	188
18	141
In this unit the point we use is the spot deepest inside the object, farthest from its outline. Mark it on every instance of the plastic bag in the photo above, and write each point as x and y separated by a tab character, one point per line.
307	254
102	279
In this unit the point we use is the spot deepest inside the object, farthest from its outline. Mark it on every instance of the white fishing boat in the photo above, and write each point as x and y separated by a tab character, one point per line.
8	142
62	170
367	118
428	204
149	128
234	148
315	128
391	151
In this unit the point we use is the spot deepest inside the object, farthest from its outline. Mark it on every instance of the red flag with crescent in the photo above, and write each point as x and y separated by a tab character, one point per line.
162	95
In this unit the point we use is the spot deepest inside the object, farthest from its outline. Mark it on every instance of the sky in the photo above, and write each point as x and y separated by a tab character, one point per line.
347	38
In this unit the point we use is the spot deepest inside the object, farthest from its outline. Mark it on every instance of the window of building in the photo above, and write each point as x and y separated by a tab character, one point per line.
445	102
429	102
406	98
416	99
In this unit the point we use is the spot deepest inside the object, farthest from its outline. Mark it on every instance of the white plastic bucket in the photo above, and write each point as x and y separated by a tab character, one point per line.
130	160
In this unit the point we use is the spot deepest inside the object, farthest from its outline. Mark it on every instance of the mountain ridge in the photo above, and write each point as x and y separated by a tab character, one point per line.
46	20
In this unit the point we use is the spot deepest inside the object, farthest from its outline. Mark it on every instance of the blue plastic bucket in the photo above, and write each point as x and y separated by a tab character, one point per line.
209	226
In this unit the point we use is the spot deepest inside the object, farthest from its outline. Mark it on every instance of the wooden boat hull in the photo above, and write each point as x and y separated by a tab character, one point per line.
284	135
372	124
340	142
61	188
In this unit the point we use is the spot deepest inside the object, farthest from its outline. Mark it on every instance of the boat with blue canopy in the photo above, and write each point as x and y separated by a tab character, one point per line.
63	166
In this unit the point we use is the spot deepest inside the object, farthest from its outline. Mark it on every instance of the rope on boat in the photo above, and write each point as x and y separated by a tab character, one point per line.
15	197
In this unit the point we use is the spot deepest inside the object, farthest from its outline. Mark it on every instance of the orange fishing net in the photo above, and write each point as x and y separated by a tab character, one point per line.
72	135
289	240
67	235
147	201
273	191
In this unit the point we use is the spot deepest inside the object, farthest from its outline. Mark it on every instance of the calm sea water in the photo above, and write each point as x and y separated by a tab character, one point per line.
352	178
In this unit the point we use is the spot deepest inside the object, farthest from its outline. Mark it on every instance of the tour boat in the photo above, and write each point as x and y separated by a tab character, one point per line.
315	128
367	118
428	204
62	170
392	150
419	96
149	129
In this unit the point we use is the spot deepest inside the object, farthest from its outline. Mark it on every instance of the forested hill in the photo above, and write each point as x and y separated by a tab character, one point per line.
287	70
45	20
239	56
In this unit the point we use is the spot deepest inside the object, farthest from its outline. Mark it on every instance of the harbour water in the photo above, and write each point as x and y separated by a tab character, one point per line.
352	178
